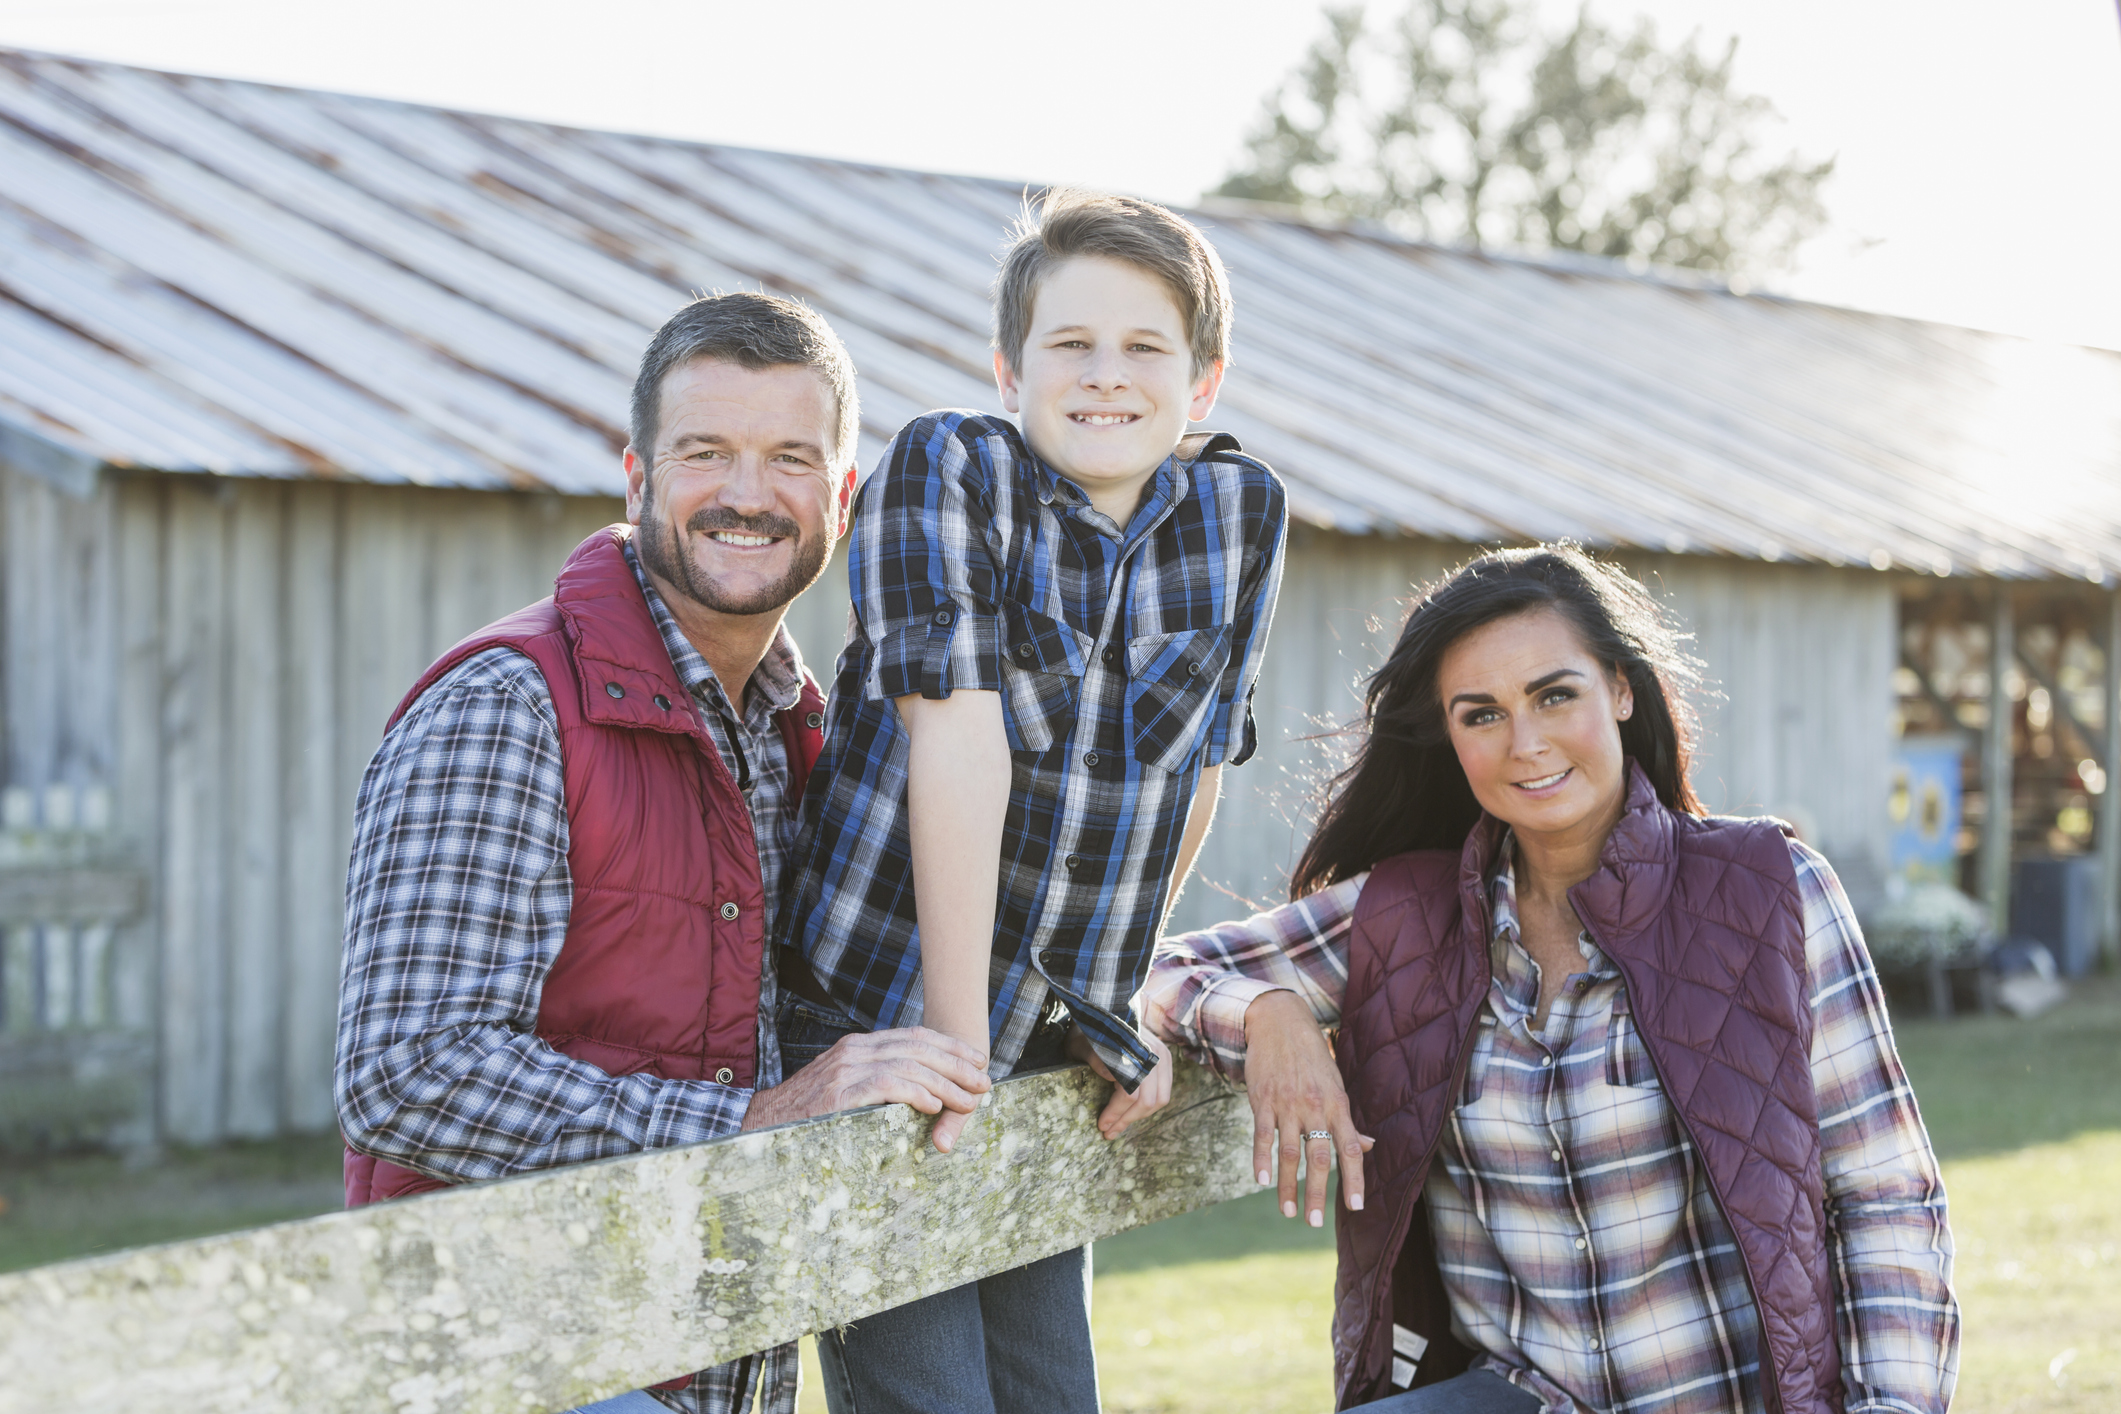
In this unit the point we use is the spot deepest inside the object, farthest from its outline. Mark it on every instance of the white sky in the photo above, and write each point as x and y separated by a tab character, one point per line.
1979	142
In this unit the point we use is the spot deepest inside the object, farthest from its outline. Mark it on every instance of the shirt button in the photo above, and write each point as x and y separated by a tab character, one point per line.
1023	650
662	702
1045	958
614	689
1581	1244
1072	860
1555	1156
942	616
1192	670
724	1076
1108	656
1594	1342
1546	1060
1089	758
729	911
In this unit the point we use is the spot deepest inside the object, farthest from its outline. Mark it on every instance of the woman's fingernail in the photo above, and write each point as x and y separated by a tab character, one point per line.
1288	1210
1355	1201
1318	1219
1263	1179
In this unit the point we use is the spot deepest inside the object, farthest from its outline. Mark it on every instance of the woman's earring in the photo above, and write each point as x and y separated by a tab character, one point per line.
1624	713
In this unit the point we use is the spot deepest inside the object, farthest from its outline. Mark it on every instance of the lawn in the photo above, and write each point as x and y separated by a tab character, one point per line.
1227	1308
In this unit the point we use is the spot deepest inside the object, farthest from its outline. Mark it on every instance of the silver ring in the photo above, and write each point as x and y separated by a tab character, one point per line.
1318	1134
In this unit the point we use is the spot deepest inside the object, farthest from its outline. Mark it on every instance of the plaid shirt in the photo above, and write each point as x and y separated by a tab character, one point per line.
1125	660
457	901
1583	1252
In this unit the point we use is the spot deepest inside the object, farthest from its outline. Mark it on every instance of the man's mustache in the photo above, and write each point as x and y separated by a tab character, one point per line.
710	519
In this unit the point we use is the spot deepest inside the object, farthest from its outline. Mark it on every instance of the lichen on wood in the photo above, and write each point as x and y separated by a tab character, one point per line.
542	1292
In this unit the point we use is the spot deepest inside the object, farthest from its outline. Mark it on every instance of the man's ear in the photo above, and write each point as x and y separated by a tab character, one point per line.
1204	392
846	499
1005	380
636	483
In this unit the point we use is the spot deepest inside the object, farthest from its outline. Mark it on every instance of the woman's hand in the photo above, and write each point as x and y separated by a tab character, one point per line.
1295	1091
1123	1109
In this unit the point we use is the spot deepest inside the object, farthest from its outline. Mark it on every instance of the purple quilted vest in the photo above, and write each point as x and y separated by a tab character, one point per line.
1704	921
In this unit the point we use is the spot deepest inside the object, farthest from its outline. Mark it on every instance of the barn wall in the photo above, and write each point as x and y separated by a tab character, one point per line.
220	656
268	630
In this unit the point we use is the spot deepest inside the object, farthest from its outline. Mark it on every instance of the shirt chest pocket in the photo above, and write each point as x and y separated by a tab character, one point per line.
1627	1060
1042	678
1172	686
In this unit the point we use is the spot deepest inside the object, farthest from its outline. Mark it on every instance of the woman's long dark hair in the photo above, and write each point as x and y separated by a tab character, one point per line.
1405	789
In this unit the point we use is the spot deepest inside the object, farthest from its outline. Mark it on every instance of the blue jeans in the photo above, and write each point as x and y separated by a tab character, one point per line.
1017	1341
1474	1392
638	1401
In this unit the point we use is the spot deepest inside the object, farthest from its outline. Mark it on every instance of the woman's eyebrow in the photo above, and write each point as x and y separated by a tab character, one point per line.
1540	684
1482	698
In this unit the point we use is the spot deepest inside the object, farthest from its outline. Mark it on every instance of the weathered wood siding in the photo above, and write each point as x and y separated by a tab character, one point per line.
221	656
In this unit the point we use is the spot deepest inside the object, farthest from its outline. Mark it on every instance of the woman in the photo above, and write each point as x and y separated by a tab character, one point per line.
1641	1139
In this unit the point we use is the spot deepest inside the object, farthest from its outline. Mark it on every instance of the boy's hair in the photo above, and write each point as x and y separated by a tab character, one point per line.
1071	222
753	331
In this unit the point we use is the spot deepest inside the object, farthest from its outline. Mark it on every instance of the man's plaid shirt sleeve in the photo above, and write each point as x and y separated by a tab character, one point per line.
457	900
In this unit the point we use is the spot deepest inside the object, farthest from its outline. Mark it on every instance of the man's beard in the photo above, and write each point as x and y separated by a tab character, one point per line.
666	558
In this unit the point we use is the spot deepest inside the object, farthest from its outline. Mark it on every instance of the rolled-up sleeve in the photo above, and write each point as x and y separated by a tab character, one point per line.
1888	1242
1201	983
1232	735
924	578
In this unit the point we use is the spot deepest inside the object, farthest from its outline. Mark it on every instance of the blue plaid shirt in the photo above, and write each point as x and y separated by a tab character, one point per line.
1125	660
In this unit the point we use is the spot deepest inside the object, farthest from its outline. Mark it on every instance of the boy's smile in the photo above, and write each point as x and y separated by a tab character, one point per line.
1104	386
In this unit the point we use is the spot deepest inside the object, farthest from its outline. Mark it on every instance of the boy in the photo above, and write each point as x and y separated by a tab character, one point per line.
1056	635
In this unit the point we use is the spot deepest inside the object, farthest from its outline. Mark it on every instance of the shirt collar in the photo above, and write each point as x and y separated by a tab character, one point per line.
1505	948
775	684
1165	489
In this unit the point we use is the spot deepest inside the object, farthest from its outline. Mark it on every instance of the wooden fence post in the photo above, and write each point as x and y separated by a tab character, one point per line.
543	1292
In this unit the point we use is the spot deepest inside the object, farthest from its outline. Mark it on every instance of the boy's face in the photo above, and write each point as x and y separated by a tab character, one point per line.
1105	386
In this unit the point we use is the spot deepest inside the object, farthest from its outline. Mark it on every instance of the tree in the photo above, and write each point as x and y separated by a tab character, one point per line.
1466	122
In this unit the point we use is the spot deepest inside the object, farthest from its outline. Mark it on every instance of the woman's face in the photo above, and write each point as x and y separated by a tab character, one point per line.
1535	719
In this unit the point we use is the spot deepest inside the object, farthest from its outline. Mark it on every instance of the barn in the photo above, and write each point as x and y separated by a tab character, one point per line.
297	388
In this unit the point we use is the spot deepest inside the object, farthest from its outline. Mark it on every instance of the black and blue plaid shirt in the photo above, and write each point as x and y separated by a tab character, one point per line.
1125	660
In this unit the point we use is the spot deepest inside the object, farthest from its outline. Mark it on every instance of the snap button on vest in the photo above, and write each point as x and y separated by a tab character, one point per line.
813	720
662	701
614	689
724	1075
729	912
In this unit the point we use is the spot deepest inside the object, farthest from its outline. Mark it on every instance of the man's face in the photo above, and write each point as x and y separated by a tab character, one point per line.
1104	386
738	504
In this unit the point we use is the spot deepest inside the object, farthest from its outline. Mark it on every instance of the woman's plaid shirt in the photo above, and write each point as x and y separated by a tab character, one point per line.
1583	1252
1125	660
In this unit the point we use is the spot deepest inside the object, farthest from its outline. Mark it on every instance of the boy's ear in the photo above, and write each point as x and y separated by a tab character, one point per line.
1005	380
1204	392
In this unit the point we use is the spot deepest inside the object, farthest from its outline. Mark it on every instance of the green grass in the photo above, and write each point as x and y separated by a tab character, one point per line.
1227	1308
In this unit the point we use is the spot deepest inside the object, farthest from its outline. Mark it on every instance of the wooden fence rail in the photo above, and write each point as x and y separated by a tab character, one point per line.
542	1292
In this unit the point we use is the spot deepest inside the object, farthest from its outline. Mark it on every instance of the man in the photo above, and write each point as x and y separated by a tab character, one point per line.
567	847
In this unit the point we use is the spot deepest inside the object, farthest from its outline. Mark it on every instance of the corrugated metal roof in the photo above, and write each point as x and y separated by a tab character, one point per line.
203	275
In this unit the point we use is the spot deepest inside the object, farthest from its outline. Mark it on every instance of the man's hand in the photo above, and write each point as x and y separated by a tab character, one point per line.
913	1066
1295	1091
1123	1109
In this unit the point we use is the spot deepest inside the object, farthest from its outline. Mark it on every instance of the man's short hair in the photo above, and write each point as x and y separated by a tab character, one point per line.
753	331
1070	222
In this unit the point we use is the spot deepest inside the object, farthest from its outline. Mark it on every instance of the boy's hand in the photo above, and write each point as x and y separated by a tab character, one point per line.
1296	1092
934	1073
1123	1109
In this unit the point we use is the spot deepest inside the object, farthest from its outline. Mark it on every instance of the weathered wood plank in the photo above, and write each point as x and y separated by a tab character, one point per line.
253	833
62	894
541	1292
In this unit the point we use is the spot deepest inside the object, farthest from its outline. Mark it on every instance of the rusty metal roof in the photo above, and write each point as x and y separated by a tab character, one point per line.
204	275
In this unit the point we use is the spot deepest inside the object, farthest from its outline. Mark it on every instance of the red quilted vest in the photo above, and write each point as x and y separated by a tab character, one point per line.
659	971
1704	921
